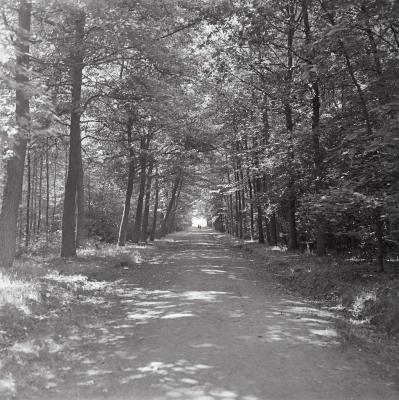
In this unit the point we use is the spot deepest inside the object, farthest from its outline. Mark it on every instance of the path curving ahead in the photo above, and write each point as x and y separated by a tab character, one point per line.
192	323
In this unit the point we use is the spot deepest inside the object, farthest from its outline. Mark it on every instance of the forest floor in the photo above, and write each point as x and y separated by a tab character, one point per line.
190	318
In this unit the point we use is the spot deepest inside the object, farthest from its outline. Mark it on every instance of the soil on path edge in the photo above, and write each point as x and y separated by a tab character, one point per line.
193	323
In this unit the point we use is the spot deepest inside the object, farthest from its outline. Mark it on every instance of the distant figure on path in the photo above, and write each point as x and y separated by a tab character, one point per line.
199	227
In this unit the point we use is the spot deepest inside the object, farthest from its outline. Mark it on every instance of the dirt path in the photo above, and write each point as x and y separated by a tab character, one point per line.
193	324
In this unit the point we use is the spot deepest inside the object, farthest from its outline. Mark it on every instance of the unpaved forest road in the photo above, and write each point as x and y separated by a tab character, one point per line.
193	324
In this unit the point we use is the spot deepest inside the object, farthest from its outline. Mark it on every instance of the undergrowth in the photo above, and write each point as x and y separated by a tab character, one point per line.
18	292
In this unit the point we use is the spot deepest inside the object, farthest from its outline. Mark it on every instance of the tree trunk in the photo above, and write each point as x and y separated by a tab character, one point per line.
251	206
273	230
261	235
80	202
139	210
68	245
34	199
171	224
379	232
155	212
39	217
15	165
165	221
144	227
47	190
88	201
257	186
20	227
243	202
292	232
238	202
129	190
28	200
230	204
317	157
54	187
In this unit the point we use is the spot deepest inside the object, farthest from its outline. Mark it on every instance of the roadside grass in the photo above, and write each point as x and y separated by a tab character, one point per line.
18	292
36	277
38	296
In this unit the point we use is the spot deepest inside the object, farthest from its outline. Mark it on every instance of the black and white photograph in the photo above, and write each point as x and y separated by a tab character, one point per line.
199	200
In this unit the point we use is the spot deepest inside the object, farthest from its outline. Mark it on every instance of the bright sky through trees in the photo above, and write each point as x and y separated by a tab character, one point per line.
199	221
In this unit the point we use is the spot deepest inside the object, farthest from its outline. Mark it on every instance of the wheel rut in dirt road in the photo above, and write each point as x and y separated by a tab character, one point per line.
193	323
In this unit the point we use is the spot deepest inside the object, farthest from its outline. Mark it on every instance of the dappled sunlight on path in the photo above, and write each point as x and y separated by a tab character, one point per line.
193	323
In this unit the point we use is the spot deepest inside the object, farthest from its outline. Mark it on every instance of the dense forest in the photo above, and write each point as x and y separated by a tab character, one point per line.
122	119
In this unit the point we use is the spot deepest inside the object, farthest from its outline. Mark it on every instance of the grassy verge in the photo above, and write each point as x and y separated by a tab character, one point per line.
38	296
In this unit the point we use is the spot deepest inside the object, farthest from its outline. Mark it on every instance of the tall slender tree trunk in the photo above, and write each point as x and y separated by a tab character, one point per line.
20	227
257	186
232	220
240	233
317	157
166	218
243	202
144	227
54	187
230	203
273	229
68	244
155	212
39	217
261	234
292	231
80	202
379	230
251	206
47	190
34	199
129	189
88	201
139	209
171	226
15	165
28	200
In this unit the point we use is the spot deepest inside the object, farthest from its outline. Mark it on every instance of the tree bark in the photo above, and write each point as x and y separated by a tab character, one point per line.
258	188
317	157
34	198
39	217
144	228
68	244
251	206
129	190
54	187
155	212
230	203
47	190
171	227
379	232
15	165
243	202
80	202
139	209
273	230
261	234
165	221
28	200
292	232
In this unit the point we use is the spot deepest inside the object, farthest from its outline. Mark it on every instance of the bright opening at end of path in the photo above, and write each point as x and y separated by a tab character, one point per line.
199	221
